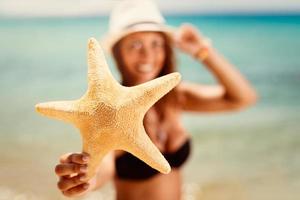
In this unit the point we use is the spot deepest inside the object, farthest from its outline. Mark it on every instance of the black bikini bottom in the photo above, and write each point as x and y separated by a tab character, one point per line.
130	167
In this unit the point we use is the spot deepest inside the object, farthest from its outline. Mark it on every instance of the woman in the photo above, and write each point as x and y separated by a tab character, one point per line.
142	46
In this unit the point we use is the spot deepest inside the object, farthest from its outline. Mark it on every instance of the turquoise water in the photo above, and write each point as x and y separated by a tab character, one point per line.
251	154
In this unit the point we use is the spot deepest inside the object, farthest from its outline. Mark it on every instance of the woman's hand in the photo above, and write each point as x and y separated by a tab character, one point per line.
188	39
71	172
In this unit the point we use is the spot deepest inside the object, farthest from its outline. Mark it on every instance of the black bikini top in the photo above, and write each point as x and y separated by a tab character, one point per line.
131	168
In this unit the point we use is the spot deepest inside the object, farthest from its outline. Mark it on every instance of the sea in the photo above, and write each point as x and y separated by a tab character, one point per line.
250	154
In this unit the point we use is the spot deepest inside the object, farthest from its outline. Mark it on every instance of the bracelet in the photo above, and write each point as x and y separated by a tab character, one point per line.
203	51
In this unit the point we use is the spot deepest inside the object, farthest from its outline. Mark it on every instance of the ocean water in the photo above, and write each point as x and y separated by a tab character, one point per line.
252	154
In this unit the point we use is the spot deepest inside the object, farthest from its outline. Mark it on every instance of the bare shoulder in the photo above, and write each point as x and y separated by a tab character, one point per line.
199	91
194	97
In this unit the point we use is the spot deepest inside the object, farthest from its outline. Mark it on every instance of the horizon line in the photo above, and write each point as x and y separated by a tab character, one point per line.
204	14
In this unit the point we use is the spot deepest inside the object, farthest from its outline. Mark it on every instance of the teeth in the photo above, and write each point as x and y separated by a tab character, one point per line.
145	68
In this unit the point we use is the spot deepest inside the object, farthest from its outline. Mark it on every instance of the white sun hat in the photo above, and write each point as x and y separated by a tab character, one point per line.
130	16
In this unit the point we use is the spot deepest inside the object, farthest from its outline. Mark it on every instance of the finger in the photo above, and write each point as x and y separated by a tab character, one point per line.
64	158
178	34
69	168
190	32
189	27
78	190
185	33
79	158
68	183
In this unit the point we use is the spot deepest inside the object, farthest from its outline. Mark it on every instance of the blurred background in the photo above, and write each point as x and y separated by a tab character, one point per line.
247	155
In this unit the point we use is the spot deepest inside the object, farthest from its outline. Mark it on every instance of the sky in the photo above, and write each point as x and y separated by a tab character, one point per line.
36	8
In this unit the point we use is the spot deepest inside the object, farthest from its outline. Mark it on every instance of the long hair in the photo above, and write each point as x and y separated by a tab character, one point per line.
169	66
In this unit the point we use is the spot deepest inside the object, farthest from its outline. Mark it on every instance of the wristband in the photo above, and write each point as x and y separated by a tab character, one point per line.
203	51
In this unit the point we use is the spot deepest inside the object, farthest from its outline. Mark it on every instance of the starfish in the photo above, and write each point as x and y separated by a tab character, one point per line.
110	116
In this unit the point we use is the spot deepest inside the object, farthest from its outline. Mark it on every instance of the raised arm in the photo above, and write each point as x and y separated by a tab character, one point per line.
232	92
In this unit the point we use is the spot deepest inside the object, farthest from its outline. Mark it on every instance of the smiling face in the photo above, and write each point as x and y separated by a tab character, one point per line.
143	56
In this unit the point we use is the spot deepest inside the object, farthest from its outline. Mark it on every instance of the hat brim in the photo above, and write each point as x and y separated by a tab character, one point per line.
110	39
